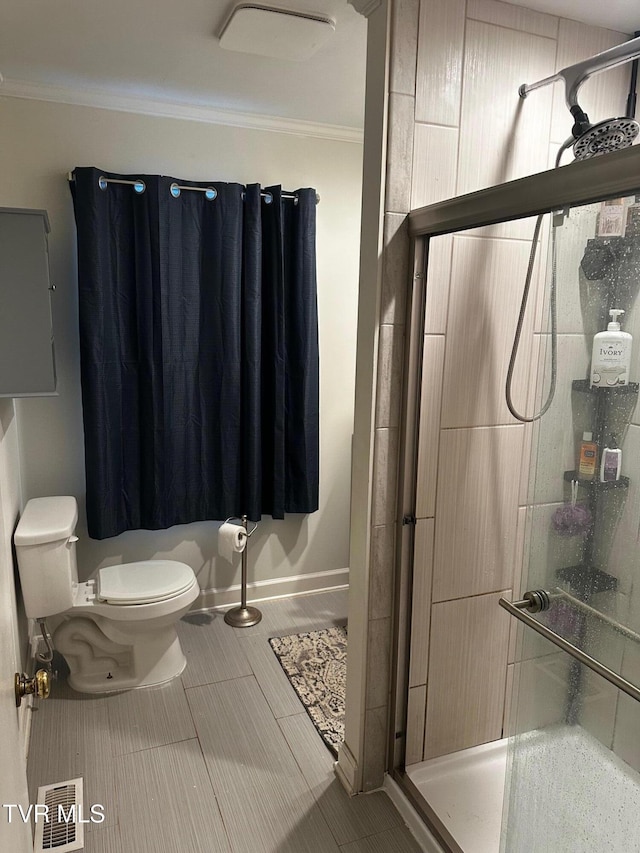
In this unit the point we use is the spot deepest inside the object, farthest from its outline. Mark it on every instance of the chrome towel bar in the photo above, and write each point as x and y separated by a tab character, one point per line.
538	600
621	629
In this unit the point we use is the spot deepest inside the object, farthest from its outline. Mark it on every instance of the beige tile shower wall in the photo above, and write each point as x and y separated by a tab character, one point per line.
503	137
465	701
485	293
472	130
435	162
421	602
476	511
438	282
429	426
439	63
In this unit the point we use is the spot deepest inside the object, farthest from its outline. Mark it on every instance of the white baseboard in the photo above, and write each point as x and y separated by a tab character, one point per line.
346	769
215	599
410	816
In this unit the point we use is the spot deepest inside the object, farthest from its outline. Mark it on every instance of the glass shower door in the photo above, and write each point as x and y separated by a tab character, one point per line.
573	780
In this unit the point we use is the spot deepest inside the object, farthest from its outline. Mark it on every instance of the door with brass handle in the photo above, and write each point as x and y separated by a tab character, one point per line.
40	684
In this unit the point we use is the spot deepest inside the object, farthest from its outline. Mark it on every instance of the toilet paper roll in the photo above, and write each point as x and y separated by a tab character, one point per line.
232	539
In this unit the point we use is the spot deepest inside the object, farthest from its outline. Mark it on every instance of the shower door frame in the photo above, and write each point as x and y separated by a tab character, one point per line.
611	176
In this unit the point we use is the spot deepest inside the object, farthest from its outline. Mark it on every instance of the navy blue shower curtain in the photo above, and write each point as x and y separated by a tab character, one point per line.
199	352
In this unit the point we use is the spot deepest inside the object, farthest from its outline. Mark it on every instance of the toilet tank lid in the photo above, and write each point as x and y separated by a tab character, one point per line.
47	520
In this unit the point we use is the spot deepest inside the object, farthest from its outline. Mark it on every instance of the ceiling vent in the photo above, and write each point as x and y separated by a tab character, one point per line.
279	33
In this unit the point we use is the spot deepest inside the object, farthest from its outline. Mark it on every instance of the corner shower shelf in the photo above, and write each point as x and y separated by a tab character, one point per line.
602	398
603	254
583	386
587	580
622	483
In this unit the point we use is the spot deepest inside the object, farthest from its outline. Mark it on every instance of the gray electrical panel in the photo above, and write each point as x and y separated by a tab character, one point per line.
27	364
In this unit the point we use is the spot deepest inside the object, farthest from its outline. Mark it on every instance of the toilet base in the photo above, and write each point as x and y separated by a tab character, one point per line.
158	658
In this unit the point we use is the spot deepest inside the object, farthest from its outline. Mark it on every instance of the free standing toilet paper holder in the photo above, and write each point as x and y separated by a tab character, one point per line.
243	616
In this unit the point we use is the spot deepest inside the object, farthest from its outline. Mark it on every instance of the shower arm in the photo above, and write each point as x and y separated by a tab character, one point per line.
575	75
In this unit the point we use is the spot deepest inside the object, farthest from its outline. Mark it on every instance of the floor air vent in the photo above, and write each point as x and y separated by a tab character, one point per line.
60	828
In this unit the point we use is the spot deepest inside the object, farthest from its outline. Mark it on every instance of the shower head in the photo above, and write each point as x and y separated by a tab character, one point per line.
613	134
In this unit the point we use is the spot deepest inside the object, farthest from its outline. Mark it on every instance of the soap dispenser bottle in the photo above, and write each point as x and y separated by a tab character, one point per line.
611	355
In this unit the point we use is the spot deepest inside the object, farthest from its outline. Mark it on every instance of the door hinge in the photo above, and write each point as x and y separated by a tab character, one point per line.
408	519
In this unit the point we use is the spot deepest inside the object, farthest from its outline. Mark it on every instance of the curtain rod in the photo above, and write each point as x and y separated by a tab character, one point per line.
175	189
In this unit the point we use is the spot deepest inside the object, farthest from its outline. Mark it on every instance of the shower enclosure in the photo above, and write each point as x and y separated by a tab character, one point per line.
516	724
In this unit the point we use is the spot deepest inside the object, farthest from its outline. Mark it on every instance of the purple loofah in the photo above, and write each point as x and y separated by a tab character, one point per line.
571	520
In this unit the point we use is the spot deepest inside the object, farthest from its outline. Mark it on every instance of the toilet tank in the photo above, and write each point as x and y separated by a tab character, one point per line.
46	552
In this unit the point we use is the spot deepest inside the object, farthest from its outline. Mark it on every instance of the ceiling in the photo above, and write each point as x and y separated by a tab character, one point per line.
168	50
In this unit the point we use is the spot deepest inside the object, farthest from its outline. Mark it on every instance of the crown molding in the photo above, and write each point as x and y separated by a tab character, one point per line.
102	99
365	7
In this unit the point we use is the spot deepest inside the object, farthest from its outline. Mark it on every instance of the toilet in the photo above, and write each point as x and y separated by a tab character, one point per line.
117	630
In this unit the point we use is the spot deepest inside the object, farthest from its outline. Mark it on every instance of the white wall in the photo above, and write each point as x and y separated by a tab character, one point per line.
41	142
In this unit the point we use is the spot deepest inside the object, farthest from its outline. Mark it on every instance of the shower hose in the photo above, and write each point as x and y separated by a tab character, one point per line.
554	331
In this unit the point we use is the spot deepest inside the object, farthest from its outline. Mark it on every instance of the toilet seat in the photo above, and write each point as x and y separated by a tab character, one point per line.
144	582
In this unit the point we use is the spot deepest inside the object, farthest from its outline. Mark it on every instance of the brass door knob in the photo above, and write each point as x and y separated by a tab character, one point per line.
40	684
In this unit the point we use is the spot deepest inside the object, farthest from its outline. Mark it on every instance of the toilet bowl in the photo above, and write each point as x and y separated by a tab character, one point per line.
117	630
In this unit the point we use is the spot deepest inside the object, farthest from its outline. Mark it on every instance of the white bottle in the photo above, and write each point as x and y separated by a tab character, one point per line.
611	355
611	462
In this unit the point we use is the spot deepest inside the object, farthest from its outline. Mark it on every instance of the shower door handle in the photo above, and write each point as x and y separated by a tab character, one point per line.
539	600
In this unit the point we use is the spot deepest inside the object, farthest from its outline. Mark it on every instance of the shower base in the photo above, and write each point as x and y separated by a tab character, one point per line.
464	792
564	782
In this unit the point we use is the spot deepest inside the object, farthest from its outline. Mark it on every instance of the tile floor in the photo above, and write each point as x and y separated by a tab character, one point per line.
223	760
